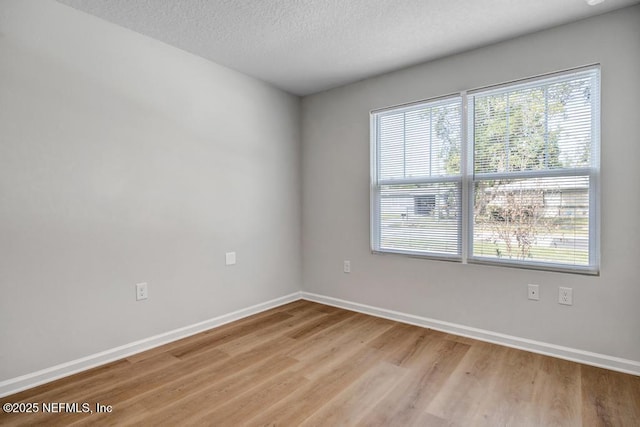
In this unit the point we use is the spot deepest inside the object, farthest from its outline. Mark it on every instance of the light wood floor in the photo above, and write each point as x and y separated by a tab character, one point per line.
314	365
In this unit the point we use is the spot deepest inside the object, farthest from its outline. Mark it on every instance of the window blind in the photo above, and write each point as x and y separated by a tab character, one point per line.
520	166
417	183
534	166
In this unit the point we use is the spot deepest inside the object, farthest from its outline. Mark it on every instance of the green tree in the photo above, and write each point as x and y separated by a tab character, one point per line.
447	126
511	132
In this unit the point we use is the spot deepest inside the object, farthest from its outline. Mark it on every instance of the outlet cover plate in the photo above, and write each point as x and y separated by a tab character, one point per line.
230	258
347	266
565	296
533	292
142	291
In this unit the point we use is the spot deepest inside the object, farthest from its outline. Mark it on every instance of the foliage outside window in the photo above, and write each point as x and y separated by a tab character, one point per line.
524	175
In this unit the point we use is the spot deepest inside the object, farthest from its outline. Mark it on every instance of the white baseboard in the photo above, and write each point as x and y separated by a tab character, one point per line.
572	354
14	385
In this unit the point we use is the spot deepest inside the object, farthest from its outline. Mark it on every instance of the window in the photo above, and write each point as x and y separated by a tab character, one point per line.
520	166
418	185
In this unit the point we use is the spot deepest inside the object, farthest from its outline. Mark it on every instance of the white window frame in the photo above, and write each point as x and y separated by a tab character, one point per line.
468	179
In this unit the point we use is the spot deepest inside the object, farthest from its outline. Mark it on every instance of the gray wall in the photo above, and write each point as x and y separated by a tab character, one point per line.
605	317
124	160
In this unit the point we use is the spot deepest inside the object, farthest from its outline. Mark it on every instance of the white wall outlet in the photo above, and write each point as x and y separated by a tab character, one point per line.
230	258
142	292
565	296
347	266
534	292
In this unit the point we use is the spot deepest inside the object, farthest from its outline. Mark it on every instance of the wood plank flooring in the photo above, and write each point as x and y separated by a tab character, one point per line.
313	365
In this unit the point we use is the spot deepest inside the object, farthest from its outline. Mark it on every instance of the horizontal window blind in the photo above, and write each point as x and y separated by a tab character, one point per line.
533	163
521	166
417	184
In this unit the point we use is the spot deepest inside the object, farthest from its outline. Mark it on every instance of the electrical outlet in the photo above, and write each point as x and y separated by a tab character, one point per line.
565	296
534	292
347	266
142	291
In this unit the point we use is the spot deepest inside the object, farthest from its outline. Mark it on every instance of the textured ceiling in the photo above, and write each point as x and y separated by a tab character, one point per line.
306	46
